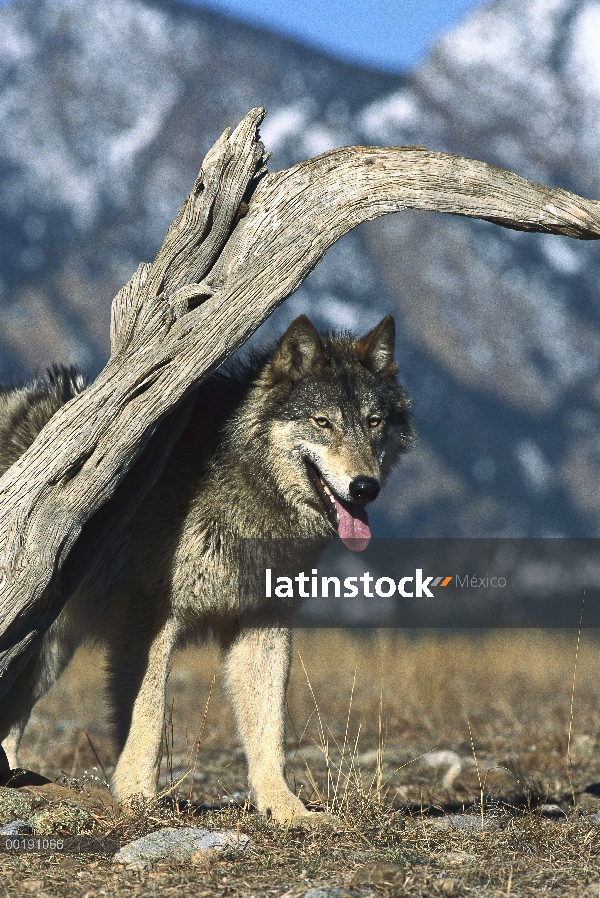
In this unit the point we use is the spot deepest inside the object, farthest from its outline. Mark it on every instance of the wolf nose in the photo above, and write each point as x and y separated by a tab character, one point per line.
364	489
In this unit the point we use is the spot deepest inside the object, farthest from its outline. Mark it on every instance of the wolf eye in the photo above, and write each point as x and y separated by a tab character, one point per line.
374	420
322	421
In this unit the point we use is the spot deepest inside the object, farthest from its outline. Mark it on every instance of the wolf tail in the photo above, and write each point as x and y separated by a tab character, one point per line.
24	411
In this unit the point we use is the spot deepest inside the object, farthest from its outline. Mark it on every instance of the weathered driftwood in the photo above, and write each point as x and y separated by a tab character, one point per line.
242	242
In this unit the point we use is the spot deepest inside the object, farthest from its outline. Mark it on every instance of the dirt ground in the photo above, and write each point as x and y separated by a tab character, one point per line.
454	765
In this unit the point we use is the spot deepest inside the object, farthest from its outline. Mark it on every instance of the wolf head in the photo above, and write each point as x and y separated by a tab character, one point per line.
338	422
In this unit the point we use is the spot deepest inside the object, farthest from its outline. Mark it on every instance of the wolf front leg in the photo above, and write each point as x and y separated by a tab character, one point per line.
138	669
257	665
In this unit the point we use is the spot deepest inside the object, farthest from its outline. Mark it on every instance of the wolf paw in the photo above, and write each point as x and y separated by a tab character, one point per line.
314	819
288	809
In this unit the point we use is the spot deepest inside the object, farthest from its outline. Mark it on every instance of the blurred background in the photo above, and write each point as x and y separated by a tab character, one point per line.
108	106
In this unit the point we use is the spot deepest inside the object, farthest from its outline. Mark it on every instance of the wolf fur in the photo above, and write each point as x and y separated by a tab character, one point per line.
289	444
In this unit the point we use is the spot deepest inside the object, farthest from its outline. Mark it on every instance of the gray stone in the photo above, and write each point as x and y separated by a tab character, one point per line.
447	759
553	811
178	844
327	892
468	822
16	828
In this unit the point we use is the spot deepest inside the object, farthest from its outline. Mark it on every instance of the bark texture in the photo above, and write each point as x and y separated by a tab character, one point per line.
242	242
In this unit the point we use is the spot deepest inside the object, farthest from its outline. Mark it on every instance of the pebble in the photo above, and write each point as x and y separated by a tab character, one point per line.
327	892
16	828
468	822
445	758
553	811
178	844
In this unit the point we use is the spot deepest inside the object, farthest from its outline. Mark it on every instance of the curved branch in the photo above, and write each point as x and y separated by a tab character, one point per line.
314	203
295	215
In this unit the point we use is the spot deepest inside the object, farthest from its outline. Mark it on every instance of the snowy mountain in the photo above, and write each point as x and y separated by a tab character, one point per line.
106	110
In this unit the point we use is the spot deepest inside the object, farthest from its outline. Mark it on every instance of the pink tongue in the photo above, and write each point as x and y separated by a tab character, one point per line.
353	529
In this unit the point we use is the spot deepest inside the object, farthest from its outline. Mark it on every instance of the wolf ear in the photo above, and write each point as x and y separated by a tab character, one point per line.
299	352
376	350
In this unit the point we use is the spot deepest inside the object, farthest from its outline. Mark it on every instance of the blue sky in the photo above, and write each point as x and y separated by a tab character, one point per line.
388	34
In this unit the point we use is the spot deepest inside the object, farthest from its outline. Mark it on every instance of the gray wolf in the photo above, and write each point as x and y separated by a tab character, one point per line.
291	443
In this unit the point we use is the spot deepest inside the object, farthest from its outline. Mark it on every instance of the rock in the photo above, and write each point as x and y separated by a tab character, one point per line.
552	811
327	892
468	822
16	828
62	818
179	845
378	873
13	804
442	759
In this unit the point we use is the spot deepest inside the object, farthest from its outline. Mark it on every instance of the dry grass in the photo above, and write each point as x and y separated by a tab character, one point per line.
366	711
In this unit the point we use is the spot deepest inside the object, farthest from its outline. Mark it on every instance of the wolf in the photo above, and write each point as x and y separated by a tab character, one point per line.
291	443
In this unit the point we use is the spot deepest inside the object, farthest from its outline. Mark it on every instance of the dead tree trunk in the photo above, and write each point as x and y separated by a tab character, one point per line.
242	242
